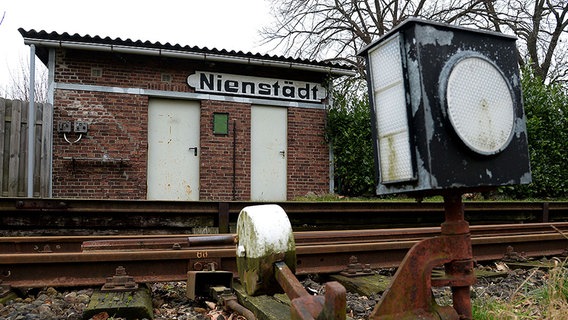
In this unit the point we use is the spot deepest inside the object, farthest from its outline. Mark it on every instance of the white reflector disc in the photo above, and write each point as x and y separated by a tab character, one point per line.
480	105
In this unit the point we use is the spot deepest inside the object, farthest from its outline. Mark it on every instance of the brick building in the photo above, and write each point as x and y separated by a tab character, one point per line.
141	120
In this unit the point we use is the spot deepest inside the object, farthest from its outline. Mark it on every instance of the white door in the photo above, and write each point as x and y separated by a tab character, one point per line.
269	128
173	150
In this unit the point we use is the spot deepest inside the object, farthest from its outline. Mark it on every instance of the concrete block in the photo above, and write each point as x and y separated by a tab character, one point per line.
363	285
135	304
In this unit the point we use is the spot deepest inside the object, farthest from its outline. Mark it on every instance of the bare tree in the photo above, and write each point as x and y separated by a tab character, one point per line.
542	27
337	29
19	88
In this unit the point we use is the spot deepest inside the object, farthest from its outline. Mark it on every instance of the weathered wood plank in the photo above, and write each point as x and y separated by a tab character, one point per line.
264	307
37	147
14	148
45	150
14	128
23	158
3	181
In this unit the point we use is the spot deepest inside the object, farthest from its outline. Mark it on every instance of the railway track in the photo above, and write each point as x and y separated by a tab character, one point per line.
36	217
87	261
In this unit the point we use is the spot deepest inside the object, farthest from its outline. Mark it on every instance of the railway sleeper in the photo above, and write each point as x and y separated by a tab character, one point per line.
134	304
6	293
122	297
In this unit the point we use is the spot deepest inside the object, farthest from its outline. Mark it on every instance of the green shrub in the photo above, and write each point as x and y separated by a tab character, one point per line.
349	131
546	109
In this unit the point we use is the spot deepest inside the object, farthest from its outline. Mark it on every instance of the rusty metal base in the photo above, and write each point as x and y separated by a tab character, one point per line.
409	296
304	306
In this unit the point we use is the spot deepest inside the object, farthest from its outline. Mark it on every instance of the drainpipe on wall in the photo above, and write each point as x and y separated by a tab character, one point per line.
330	145
50	101
31	125
234	160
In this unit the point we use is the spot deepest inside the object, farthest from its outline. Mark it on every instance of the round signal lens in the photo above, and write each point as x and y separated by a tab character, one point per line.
480	105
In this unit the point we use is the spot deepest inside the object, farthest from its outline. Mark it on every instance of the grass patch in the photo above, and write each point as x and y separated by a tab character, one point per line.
549	301
467	197
493	309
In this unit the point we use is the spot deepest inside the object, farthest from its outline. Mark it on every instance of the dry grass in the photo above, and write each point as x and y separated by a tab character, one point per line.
556	292
549	301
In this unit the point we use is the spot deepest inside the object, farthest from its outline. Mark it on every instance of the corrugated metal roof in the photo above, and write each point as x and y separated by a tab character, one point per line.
44	39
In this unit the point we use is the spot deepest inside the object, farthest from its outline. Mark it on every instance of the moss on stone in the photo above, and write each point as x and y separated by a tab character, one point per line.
135	304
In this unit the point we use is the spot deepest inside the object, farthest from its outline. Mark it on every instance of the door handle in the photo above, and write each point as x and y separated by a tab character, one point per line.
194	150
282	153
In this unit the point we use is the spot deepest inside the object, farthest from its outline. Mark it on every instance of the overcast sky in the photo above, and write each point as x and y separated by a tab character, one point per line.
221	24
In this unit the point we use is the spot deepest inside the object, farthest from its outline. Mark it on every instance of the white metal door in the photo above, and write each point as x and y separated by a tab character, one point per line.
173	150
269	128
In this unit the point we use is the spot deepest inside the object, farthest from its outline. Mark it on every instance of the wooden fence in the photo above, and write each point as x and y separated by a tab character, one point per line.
14	148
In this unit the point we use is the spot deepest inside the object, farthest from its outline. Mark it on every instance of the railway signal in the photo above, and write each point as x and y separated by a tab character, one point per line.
447	118
447	109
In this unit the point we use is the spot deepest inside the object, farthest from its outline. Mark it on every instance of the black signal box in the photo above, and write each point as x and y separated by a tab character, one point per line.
446	109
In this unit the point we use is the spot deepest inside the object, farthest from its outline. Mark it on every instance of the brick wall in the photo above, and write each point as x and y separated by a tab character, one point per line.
122	70
219	152
118	129
308	153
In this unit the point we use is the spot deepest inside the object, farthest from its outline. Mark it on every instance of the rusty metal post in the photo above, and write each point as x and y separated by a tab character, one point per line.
288	281
456	225
335	302
332	306
227	298
409	295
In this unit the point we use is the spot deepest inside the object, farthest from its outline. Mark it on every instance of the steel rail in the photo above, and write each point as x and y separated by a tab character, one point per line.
320	252
59	244
72	216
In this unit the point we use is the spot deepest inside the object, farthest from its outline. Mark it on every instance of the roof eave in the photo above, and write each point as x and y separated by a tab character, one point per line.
91	46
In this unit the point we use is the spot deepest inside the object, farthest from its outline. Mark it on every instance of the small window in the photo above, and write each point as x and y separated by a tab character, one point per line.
166	77
221	123
96	72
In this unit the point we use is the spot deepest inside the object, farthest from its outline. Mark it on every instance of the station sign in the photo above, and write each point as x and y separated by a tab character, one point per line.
268	88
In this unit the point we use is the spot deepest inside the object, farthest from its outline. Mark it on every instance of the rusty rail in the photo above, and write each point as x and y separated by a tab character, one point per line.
79	216
317	252
62	244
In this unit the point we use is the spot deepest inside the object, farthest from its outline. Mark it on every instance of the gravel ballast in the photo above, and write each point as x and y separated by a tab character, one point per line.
170	302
